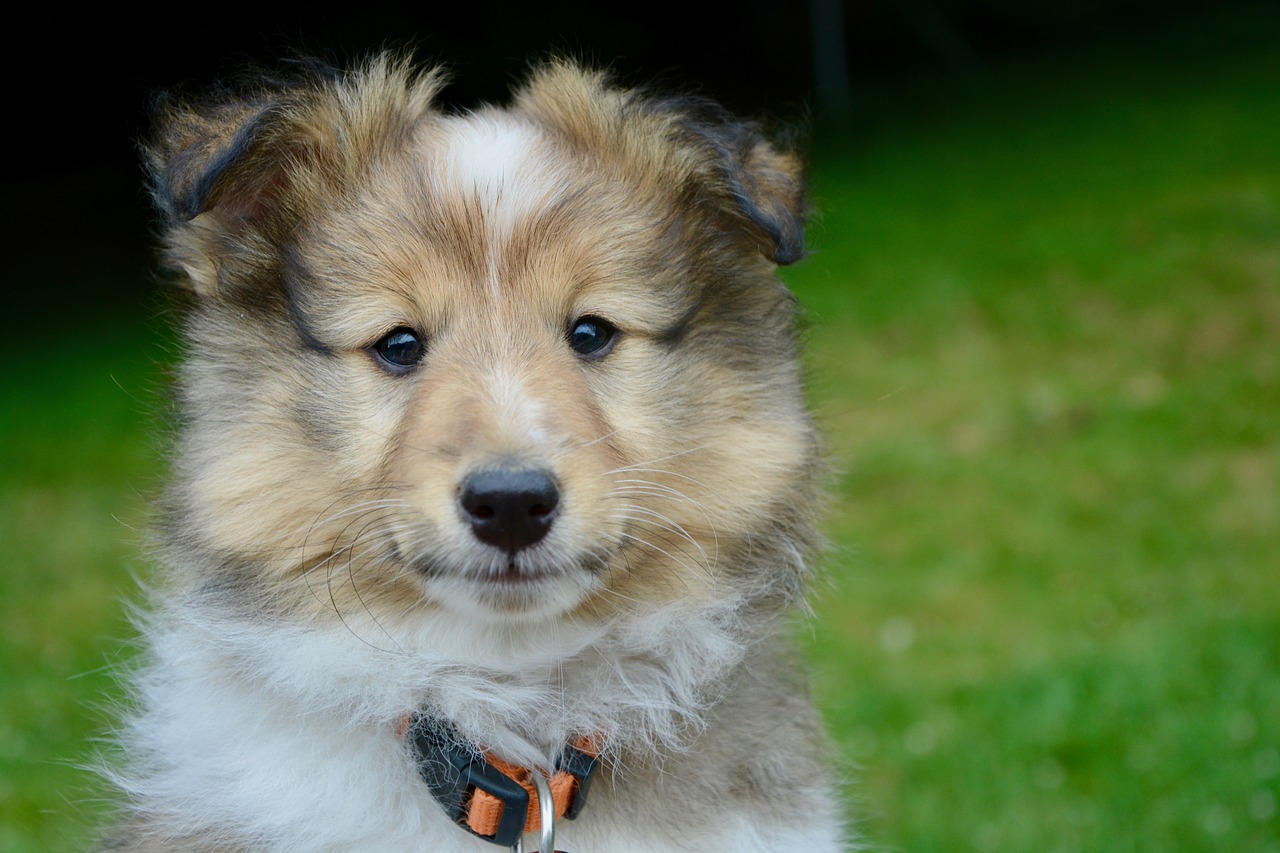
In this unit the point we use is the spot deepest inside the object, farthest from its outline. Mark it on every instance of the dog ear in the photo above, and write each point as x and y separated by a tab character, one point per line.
718	163
765	184
216	156
249	162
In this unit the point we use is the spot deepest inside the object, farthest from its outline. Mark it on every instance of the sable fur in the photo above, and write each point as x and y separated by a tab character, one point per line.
319	581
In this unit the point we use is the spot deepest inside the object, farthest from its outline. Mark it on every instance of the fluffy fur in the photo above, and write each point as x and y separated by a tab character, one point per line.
321	578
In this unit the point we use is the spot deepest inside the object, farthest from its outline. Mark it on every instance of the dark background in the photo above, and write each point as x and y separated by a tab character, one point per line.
75	215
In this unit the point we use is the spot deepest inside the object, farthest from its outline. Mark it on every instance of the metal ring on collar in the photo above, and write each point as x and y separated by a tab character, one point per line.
547	814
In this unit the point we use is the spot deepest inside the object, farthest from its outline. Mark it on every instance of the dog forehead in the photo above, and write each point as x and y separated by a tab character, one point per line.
485	150
506	165
441	209
487	209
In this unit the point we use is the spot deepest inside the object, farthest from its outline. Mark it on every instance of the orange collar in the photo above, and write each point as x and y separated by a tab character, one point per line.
487	796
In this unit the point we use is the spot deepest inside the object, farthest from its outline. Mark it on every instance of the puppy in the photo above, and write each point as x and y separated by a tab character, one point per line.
493	483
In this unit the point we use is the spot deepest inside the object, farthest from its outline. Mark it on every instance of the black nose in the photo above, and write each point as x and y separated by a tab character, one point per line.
511	509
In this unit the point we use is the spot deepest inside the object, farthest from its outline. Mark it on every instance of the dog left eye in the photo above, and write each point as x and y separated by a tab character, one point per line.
592	337
399	349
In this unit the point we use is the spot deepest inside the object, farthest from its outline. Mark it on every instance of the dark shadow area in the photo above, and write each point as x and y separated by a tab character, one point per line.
75	213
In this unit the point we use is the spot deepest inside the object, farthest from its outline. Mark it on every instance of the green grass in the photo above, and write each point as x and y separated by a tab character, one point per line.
1045	346
1046	349
76	453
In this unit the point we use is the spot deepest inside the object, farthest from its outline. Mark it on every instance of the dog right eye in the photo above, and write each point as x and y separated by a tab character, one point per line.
400	349
591	337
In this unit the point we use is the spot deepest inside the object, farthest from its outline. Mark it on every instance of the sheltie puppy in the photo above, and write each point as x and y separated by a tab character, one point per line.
493	483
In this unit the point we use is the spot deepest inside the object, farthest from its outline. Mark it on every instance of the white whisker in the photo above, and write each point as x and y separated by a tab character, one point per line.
642	515
644	466
673	558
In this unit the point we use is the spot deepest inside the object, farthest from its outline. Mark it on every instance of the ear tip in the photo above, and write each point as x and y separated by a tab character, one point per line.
789	240
789	252
778	218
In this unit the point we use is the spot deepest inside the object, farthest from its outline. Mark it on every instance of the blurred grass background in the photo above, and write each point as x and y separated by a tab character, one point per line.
1046	349
1044	328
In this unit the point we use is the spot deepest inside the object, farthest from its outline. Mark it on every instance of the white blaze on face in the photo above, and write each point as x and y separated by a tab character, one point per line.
506	167
520	413
485	153
502	164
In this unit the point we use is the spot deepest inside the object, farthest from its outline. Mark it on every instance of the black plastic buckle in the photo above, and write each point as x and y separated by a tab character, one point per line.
453	771
582	767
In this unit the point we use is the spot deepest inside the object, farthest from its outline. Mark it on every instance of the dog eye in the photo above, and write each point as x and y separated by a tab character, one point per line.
399	349
592	337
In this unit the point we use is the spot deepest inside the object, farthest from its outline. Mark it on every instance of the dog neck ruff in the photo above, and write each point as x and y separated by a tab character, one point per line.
491	798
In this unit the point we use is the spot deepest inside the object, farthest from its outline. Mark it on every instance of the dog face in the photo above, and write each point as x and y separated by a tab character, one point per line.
520	363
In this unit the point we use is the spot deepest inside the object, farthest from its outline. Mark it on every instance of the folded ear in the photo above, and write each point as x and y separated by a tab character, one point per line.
214	155
252	159
729	165
765	183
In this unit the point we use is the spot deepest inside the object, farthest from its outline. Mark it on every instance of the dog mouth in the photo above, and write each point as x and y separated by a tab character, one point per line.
513	574
499	570
529	582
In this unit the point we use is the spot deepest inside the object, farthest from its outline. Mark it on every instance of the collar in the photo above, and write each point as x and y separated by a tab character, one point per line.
487	796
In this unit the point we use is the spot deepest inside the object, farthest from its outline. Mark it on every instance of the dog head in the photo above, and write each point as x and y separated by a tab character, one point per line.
516	363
